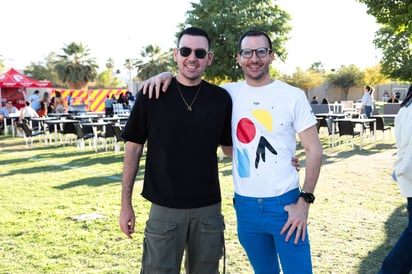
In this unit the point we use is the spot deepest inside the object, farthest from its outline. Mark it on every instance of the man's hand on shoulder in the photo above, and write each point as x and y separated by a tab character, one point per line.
153	84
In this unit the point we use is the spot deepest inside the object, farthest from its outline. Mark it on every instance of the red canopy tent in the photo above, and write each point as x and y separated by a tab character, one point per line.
13	85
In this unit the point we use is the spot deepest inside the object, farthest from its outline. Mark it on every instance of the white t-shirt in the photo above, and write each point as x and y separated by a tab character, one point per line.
29	112
265	121
403	162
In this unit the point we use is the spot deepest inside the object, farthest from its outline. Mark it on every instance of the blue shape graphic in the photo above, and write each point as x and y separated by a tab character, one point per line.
243	167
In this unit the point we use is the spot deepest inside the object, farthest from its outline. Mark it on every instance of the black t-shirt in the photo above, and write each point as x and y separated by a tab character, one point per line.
181	163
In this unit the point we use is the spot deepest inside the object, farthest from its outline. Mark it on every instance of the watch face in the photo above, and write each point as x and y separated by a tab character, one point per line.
308	197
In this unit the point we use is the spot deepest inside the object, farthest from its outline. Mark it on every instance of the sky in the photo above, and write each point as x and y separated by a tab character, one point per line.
334	32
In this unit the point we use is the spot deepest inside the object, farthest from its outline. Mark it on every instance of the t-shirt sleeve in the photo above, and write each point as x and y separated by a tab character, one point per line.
136	127
304	117
226	139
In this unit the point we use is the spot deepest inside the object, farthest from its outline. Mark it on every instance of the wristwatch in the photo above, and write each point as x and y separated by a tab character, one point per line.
308	197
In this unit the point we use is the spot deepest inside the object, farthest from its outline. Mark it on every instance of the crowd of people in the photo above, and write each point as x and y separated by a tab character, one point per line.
126	100
37	105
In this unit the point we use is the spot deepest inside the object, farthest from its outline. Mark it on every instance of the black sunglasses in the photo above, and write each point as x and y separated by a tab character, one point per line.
199	53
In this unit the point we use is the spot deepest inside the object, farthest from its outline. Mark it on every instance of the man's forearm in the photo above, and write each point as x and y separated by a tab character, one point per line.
313	152
312	171
130	167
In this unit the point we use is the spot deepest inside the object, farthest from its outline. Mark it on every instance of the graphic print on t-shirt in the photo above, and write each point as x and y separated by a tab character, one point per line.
246	133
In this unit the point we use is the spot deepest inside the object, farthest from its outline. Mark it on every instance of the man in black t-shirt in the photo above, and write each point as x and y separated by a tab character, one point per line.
183	130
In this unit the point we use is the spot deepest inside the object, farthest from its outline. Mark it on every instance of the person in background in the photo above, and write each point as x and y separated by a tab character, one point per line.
26	112
47	102
325	101
315	100
121	99
69	98
114	99
393	99
6	111
185	213
399	259
108	103
271	206
35	100
42	112
59	103
367	101
130	99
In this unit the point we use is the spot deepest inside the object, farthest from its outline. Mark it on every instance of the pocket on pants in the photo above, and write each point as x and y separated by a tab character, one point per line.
159	252
212	239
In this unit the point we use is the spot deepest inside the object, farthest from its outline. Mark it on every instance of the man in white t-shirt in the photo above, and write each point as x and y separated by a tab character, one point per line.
271	206
26	112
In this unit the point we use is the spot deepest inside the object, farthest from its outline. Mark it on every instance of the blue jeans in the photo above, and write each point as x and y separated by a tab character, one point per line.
368	111
260	221
399	259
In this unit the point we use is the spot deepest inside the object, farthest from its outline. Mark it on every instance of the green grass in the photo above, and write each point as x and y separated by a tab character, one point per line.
356	218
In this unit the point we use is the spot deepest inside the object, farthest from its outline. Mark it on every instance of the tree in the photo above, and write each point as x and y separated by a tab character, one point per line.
304	79
44	70
225	23
152	61
110	64
317	67
397	53
75	67
106	79
374	76
393	13
346	77
394	38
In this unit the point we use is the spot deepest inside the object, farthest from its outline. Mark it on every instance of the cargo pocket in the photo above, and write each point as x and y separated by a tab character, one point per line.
212	239
159	254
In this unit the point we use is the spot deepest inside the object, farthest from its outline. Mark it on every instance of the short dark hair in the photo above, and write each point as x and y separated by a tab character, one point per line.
195	32
253	32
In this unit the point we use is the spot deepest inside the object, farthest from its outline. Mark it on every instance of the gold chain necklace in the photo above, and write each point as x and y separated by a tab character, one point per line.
189	107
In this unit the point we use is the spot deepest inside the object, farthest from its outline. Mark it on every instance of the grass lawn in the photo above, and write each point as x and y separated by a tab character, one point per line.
356	218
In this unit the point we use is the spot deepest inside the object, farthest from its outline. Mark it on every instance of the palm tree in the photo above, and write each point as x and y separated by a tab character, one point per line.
155	61
75	68
110	64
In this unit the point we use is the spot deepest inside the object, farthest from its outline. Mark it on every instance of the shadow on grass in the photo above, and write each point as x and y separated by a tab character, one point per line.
79	159
394	226
332	155
94	181
101	180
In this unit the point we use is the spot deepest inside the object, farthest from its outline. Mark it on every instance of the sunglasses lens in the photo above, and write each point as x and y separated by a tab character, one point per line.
200	53
185	51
